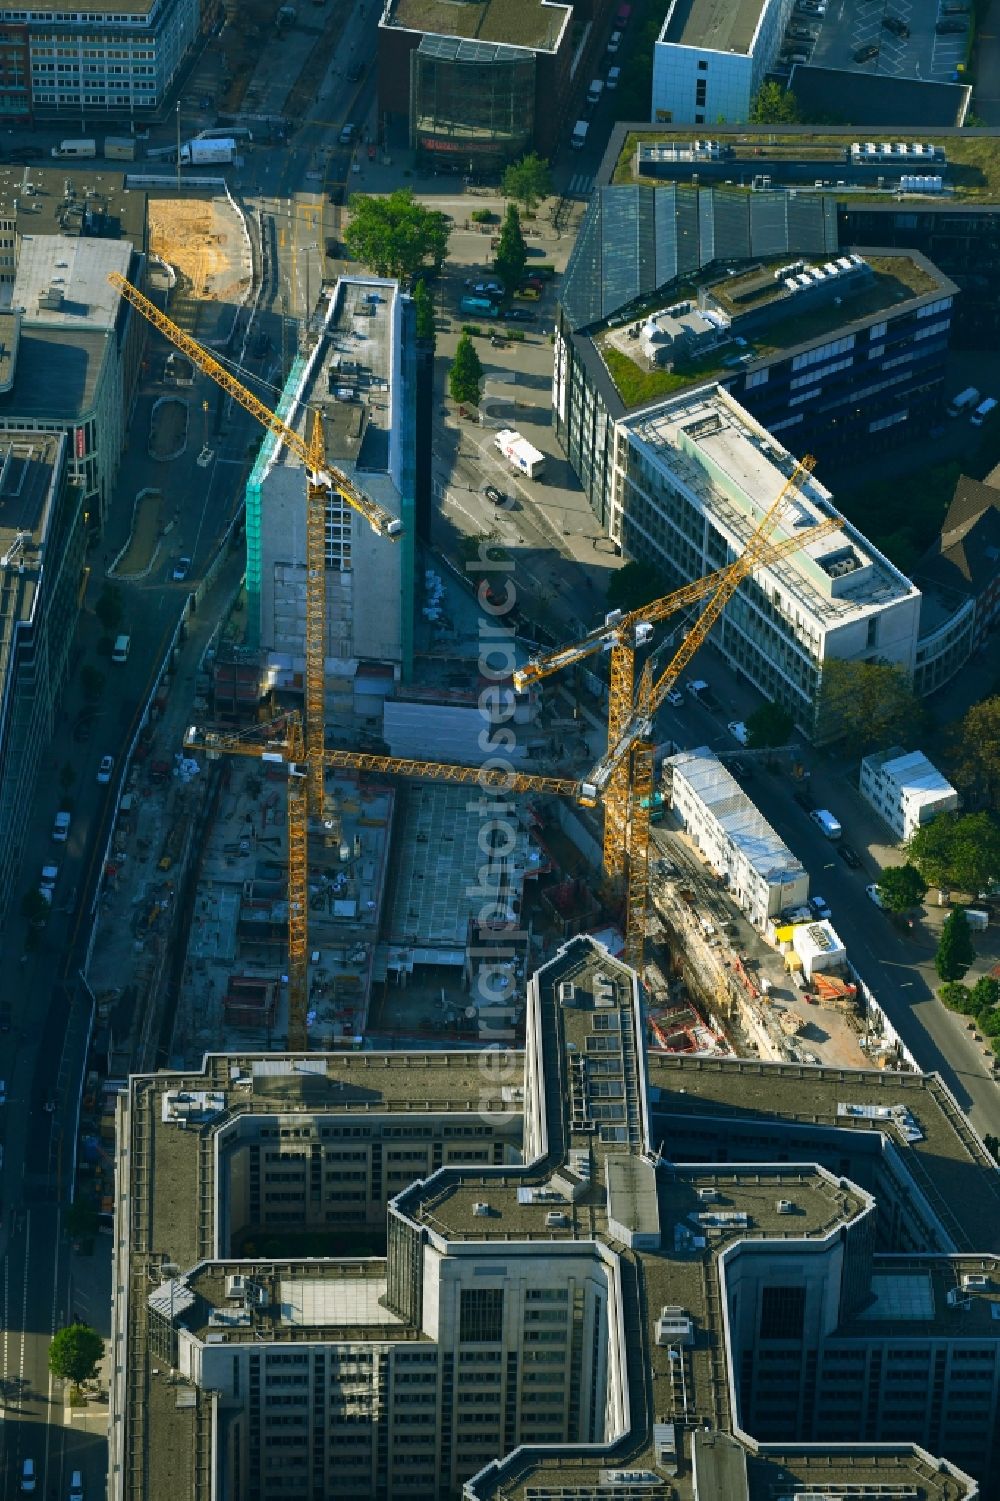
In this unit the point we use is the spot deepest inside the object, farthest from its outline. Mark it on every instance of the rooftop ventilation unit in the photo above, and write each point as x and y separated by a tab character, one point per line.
481	1209
975	1282
708	1195
555	1220
674	1326
785	1206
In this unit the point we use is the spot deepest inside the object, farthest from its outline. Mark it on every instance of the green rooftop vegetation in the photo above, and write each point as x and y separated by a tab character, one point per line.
637	386
972	171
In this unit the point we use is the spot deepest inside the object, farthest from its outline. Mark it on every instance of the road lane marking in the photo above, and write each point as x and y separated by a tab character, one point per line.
24	1300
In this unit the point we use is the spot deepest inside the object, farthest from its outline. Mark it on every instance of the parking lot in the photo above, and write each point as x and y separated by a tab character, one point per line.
849	29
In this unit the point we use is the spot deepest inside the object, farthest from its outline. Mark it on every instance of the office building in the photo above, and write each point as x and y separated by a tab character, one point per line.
671	287
359	373
473	87
65	200
959	578
100	65
712	56
905	790
758	870
15	74
75	349
692	479
42	539
611	1275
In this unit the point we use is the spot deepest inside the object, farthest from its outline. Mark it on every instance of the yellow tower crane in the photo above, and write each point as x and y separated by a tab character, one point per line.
629	759
305	751
322	478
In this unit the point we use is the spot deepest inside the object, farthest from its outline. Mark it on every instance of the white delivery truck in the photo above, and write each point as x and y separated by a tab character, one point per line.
961	403
519	452
75	150
221	151
579	136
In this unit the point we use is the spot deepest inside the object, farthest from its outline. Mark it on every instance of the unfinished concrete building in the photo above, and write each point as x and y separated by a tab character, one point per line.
573	1302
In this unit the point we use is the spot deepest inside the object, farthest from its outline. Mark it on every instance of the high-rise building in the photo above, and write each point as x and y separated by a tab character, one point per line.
360	374
611	1276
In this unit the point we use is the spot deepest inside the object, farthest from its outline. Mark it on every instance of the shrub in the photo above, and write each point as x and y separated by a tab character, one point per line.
482	216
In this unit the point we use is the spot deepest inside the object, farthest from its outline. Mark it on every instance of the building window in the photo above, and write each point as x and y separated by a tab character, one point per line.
481	1316
782	1312
702	65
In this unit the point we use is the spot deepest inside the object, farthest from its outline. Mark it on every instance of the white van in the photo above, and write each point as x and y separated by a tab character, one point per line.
121	648
824	819
982	411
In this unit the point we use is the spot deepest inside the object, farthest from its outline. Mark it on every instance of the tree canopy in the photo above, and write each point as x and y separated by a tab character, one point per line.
977	753
512	251
769	725
34	908
395	235
867	705
955	951
528	180
773	105
466	373
75	1353
958	849
901	887
636	584
424	304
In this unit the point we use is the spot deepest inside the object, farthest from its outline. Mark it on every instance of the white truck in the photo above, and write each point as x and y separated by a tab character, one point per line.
220	151
519	452
75	150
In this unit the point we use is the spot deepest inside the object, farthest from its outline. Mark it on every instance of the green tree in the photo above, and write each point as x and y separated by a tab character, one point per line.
75	1353
769	725
977	753
466	373
773	105
901	887
424	305
528	180
92	682
867	705
34	908
636	584
395	235
958	849
957	997
954	952
110	608
985	994
512	252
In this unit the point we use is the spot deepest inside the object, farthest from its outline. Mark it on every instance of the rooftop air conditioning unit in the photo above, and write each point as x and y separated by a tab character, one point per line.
481	1208
785	1206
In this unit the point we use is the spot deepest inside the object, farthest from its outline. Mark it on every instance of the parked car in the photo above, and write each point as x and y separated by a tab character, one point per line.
738	730
872	893
850	856
488	288
614	41
107	766
675	697
896	25
820	906
497	497
614	76
865	54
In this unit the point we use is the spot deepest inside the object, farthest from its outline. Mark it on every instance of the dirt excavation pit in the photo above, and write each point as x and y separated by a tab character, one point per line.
203	239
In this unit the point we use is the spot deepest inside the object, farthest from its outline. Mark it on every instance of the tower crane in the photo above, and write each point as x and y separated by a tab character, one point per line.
322	477
629	759
622	633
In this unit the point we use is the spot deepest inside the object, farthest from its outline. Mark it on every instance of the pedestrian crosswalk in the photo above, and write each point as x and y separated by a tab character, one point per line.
581	185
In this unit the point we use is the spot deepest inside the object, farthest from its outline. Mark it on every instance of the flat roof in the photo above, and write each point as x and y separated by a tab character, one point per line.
74	199
916	777
108	8
736	814
713	25
733	469
56	373
62	282
534	24
900	281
